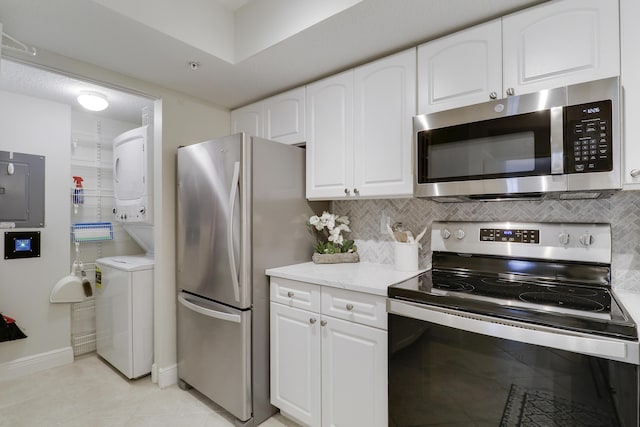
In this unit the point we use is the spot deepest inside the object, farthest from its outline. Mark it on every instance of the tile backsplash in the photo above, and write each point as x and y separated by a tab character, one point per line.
622	211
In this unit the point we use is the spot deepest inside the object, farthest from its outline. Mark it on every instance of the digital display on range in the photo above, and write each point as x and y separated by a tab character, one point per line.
509	235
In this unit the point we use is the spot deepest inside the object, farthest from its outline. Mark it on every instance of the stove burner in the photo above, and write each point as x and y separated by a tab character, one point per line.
562	300
453	285
570	290
500	282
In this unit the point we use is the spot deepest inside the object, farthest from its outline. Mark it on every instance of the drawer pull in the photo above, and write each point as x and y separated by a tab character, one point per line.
349	307
323	323
312	320
290	294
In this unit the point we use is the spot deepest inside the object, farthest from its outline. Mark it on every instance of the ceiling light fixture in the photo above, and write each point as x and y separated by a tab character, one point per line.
93	101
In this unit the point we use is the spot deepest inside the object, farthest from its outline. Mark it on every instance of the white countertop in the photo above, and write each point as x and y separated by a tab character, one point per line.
364	277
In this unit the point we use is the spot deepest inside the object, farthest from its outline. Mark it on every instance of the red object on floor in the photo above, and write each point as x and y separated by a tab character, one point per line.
8	319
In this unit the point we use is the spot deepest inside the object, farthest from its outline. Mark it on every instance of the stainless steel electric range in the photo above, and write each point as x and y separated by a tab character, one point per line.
515	324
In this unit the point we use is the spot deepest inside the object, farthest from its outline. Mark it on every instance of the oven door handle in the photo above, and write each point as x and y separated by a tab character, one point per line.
517	331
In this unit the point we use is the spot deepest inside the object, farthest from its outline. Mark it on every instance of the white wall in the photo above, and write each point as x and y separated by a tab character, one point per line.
34	126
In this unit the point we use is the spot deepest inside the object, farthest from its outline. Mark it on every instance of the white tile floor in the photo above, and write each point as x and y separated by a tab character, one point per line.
88	392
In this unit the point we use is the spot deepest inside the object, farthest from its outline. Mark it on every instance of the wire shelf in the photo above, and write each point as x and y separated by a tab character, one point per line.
92	232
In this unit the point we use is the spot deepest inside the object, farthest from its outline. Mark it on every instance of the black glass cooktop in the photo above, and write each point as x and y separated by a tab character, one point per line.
584	308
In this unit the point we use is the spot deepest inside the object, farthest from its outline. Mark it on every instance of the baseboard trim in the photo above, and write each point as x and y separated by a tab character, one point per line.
38	362
167	376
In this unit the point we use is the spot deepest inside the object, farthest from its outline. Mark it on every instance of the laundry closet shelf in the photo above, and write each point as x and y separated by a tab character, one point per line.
92	231
91	164
93	192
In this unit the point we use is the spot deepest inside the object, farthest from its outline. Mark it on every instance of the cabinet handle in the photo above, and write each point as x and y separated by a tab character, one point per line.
493	95
511	91
312	320
349	307
355	191
290	294
634	173
346	191
323	323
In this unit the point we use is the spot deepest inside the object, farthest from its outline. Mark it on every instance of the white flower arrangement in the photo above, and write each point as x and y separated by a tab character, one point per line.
329	228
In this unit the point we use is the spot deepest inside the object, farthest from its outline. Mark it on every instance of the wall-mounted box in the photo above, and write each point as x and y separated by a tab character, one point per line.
21	244
22	189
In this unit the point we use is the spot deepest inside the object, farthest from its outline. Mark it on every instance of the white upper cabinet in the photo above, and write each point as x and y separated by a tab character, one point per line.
359	131
248	119
460	69
560	43
385	103
279	118
330	137
557	43
630	34
284	117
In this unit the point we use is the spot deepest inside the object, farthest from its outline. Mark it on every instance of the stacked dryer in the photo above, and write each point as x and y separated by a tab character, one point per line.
124	288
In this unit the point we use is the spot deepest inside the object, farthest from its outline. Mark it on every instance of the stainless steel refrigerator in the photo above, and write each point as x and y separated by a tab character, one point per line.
241	209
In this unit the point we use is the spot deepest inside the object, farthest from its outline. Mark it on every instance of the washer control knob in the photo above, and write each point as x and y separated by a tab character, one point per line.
586	239
563	238
459	234
445	233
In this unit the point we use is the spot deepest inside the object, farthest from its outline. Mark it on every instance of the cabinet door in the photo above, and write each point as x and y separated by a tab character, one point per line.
560	43
354	374
385	102
330	137
248	119
284	117
630	34
461	69
295	363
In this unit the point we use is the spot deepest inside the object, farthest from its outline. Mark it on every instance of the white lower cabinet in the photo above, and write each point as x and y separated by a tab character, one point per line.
295	363
354	374
329	371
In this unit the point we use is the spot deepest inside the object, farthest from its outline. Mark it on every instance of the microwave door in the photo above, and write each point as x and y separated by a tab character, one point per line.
499	156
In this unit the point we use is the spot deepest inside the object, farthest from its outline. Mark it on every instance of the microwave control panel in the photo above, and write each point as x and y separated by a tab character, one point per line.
587	137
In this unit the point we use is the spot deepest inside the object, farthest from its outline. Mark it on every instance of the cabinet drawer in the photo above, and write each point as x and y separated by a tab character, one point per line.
356	307
295	294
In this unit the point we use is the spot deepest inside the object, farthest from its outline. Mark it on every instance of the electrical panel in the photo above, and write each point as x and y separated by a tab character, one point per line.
21	190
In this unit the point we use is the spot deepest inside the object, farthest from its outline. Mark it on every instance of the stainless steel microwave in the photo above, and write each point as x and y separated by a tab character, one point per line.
561	143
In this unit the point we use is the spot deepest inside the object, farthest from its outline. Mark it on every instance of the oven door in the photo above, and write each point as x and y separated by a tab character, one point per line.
520	153
454	368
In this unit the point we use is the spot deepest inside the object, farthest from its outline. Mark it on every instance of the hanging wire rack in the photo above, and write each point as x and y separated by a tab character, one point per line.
91	232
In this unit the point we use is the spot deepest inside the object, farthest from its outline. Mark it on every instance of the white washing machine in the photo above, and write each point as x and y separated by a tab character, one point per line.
124	313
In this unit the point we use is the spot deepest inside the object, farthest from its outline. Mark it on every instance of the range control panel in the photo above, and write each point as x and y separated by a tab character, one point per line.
587	136
581	242
509	235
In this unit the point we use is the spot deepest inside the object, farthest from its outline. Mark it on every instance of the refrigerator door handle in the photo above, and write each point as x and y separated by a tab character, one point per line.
209	312
232	200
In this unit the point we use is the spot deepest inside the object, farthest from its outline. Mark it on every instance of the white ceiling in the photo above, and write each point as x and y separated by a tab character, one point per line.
147	43
32	81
